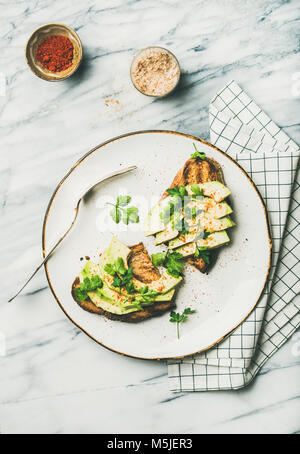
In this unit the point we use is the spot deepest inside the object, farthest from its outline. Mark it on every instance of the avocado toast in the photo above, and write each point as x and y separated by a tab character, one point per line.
124	285
192	216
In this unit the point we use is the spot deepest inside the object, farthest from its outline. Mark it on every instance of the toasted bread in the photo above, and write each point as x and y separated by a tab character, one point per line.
145	271
197	171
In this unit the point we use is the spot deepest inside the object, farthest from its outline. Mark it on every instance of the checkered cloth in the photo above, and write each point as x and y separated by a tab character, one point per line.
241	129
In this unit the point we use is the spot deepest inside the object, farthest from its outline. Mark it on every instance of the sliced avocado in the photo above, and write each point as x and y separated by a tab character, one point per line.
217	210
116	249
214	189
90	269
220	210
182	240
204	221
211	224
168	234
153	223
113	296
213	241
116	300
167	283
106	304
105	297
187	250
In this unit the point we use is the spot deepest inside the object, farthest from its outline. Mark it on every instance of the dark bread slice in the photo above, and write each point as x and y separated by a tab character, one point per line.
145	271
197	171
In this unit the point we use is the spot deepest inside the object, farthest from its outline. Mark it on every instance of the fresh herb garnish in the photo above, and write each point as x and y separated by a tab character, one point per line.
159	258
203	253
177	191
88	285
145	298
116	267
198	154
198	192
122	276
202	235
118	212
176	317
173	262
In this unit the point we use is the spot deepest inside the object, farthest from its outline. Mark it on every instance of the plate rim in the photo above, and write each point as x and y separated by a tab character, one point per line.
78	162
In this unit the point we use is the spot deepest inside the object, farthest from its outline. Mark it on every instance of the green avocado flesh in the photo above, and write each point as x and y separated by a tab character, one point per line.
153	223
166	235
213	189
116	300
164	285
213	241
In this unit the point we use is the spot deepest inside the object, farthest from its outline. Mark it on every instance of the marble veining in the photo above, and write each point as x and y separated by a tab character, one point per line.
54	379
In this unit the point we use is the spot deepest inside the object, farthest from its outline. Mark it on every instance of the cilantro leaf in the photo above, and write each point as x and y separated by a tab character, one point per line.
177	317
110	269
202	235
115	214
130	215
123	200
196	190
80	295
118	212
177	191
88	285
130	288
119	266
159	258
117	282
203	253
174	264
198	154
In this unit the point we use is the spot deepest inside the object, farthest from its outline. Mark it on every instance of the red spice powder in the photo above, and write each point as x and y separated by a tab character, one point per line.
55	53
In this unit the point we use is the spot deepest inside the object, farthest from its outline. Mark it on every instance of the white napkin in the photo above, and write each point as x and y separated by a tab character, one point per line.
241	129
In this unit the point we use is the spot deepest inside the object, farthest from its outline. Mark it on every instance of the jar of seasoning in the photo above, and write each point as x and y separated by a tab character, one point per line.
155	71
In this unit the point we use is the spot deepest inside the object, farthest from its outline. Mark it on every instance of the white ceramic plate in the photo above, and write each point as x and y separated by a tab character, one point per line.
223	298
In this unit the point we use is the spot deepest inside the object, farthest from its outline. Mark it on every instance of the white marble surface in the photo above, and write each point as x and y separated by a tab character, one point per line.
53	378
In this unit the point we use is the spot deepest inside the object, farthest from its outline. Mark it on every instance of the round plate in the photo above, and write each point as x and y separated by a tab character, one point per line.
223	298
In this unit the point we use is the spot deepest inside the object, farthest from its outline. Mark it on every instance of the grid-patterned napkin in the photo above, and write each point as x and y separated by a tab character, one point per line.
241	129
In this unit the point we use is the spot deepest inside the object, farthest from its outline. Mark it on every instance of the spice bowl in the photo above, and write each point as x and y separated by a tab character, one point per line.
38	36
155	72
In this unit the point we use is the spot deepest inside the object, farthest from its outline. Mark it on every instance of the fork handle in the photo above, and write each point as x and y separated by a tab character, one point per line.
113	174
49	253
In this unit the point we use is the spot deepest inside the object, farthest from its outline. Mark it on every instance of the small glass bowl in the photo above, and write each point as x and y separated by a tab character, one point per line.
149	49
38	36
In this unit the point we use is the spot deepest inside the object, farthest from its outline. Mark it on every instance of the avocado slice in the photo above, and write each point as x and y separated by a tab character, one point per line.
111	300
217	210
109	306
165	284
183	239
207	223
117	249
214	189
220	210
153	223
211	224
166	235
213	241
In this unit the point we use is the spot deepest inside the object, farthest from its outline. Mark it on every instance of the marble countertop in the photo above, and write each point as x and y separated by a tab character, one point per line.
54	379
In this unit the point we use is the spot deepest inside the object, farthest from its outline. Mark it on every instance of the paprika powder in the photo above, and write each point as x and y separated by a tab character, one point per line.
55	53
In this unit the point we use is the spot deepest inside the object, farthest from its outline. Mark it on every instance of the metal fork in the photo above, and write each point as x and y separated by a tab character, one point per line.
107	177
